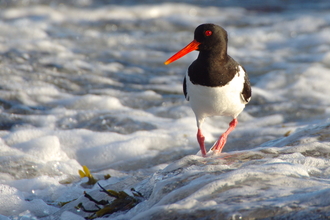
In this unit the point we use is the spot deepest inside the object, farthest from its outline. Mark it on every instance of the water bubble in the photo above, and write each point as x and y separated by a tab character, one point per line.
26	215
236	216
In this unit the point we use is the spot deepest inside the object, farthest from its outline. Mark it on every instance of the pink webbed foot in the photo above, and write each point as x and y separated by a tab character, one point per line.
218	146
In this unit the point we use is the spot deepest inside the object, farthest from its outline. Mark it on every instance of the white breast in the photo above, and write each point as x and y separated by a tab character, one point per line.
211	101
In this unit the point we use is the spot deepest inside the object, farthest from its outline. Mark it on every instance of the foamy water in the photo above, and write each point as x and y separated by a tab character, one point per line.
85	84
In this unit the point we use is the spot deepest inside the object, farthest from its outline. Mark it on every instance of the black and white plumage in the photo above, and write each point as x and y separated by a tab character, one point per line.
215	84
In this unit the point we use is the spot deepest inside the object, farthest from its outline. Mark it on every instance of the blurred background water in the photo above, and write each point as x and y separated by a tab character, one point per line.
83	83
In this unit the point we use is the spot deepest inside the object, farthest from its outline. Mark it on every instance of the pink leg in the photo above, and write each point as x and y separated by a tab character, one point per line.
201	138
223	138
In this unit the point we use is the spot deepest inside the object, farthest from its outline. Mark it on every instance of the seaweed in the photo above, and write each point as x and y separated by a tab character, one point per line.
122	202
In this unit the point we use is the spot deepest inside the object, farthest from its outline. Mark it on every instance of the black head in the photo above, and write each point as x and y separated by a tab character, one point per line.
211	36
210	40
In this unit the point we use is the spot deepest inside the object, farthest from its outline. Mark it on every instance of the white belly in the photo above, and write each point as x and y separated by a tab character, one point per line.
211	101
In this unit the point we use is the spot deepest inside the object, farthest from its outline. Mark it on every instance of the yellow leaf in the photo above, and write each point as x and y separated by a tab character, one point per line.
81	174
87	172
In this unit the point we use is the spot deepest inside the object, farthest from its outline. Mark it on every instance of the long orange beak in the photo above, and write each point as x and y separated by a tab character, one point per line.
187	49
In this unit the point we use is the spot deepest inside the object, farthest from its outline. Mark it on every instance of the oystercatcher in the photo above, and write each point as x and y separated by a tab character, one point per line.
215	84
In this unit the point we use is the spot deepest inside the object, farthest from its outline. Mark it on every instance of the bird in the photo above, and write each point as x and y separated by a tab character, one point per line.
214	84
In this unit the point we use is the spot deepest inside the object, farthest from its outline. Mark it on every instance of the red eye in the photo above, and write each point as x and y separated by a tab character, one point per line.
208	33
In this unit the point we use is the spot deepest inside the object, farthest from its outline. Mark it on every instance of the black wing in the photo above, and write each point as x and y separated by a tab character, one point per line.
246	93
185	89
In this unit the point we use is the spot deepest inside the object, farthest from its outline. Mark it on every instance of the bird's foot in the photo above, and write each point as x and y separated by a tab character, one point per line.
218	146
215	149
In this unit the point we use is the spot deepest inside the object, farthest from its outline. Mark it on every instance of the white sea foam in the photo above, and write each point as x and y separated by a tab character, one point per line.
86	85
